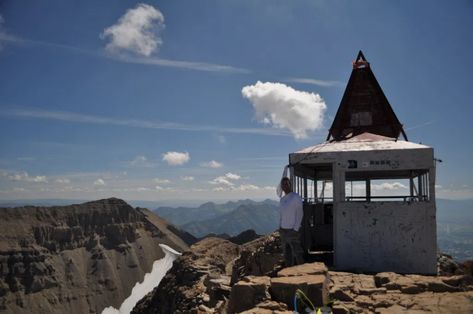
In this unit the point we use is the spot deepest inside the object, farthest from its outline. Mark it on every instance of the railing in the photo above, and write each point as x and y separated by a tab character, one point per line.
404	198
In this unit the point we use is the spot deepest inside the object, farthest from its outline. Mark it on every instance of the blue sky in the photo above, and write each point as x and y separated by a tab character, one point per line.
160	100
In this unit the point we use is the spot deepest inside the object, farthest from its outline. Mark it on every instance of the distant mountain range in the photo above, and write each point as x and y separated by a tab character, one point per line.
262	218
208	211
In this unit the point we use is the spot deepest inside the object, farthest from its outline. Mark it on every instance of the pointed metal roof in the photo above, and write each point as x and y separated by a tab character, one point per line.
364	107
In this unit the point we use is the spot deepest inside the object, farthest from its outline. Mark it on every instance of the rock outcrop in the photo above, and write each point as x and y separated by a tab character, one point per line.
78	258
199	283
199	280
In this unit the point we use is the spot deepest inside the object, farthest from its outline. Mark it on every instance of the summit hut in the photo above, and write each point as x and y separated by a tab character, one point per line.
369	193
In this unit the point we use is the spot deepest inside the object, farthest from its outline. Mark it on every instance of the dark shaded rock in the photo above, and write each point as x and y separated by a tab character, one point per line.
188	238
260	257
341	295
244	237
446	266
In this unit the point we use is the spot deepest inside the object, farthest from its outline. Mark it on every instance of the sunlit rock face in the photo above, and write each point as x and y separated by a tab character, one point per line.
78	258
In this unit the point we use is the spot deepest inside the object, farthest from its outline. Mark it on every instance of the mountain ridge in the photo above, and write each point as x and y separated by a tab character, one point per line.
79	258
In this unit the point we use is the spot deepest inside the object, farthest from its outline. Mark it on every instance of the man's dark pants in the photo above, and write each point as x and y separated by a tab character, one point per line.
291	245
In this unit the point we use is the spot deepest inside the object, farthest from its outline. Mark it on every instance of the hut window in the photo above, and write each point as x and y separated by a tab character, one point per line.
407	188
361	119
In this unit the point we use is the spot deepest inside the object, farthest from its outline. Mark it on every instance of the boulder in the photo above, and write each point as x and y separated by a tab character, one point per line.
272	305
315	287
381	279
341	294
304	269
261	257
247	293
218	288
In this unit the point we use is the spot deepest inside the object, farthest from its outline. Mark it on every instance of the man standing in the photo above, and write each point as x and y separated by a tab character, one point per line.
290	210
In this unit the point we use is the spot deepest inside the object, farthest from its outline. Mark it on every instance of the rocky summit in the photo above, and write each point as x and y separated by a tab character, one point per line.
78	258
217	276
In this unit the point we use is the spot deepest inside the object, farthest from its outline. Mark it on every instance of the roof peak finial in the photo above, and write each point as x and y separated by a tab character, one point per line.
360	61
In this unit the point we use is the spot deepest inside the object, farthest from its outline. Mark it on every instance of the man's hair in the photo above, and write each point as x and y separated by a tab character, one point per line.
286	179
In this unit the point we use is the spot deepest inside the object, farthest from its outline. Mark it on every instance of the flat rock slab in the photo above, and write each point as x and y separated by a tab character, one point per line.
248	292
315	287
460	302
304	269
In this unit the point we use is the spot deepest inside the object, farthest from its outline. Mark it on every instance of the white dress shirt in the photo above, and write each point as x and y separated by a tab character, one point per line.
290	211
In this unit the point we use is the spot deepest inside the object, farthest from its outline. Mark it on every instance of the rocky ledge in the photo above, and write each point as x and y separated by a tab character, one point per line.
217	276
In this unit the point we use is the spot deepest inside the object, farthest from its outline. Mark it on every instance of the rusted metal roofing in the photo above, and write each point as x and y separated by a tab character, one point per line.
361	142
364	107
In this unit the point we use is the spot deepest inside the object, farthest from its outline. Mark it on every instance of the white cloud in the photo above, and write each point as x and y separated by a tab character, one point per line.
142	189
25	177
283	107
160	188
226	179
176	158
241	188
232	176
454	192
388	186
140	161
179	64
247	187
187	178
316	82
136	31
219	189
99	182
63	181
161	181
142	124
212	164
222	180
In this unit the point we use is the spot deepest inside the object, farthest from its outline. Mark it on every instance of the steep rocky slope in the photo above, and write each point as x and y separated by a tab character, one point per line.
199	278
77	258
199	283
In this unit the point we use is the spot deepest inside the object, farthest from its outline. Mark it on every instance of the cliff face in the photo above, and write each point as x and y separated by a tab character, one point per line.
78	258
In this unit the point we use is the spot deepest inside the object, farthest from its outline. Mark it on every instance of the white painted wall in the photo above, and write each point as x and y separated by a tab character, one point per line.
385	236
